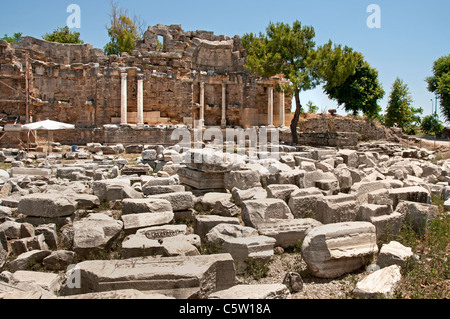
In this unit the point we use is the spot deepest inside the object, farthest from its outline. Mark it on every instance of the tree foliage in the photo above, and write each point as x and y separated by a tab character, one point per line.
439	84
399	111
432	125
123	31
16	37
63	35
312	108
290	51
360	91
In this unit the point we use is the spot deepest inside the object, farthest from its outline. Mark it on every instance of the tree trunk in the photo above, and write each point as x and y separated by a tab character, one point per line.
298	112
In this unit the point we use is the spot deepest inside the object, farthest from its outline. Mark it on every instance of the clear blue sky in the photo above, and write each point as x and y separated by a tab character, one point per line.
412	36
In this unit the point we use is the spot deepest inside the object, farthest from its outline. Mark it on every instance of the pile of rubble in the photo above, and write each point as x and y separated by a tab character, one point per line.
89	224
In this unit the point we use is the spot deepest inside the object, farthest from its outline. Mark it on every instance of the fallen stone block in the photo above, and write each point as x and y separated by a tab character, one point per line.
258	248
387	225
209	200
303	202
95	232
255	193
281	191
201	180
59	260
27	259
47	281
412	194
139	245
190	277
380	284
226	208
145	205
133	222
261	292
336	209
394	253
23	245
204	223
257	211
243	179
124	294
336	249
370	210
46	205
221	232
179	201
30	171
162	189
418	215
287	232
50	234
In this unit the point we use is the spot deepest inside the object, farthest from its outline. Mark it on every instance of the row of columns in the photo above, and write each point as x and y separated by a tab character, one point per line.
224	106
140	103
124	99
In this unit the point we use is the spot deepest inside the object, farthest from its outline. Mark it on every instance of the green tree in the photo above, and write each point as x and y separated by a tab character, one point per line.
432	125
17	37
312	109
63	35
290	51
399	111
123	31
360	91
439	84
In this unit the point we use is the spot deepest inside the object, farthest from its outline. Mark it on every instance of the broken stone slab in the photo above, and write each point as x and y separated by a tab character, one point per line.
30	171
362	190
257	211
48	281
418	215
303	202
161	189
101	187
59	260
134	222
210	160
180	277
85	201
120	192
180	201
412	194
336	249
261	292
258	248
350	157
221	232
209	200
11	229
139	245
370	210
282	191
50	234
336	209
3	255
309	179
394	253
123	294
145	205
243	179
46	205
23	245
387	225
69	172
226	208
287	232
255	193
380	284
201	180
204	223
95	232
26	260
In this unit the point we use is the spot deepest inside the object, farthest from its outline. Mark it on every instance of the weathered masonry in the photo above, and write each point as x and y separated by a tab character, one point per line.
197	78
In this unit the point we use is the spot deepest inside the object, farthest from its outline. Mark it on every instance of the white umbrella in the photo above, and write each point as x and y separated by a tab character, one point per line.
48	125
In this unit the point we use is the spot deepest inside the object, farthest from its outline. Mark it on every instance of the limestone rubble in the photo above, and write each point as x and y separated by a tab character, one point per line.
124	233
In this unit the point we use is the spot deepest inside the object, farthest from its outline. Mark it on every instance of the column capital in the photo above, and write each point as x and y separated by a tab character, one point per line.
140	76
124	75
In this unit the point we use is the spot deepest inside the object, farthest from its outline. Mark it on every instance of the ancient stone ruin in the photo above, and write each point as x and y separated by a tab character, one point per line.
131	213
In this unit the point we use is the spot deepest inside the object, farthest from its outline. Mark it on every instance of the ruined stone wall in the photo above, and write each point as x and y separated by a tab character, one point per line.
78	84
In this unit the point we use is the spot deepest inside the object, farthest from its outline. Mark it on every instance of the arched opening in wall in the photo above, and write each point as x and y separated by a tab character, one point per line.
160	43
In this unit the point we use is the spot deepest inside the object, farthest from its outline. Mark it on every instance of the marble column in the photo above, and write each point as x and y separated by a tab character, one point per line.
202	104
224	105
282	108
270	107
124	97
140	100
